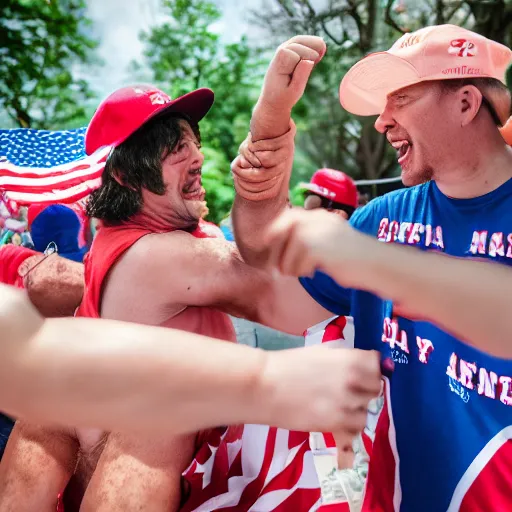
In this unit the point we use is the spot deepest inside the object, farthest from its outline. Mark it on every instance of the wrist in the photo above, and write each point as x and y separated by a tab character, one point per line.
269	119
269	402
242	392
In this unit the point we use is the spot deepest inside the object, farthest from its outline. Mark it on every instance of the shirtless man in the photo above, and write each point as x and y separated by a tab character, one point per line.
154	262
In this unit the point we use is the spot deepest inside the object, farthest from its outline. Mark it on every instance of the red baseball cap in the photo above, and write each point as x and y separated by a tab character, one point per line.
127	109
333	185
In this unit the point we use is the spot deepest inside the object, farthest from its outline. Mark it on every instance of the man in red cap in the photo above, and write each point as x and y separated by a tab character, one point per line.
443	439
155	262
331	190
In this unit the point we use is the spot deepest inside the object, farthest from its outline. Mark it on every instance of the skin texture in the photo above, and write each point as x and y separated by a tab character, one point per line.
465	153
261	174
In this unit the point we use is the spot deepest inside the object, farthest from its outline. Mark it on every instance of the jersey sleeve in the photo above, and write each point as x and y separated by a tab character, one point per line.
327	292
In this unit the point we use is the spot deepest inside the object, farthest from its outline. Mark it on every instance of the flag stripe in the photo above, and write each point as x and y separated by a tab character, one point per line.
40	166
35	185
70	195
10	169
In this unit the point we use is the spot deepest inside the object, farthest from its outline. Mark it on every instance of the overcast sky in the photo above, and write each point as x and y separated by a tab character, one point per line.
117	28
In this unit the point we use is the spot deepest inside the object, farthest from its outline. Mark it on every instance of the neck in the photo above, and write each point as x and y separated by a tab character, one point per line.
481	171
157	221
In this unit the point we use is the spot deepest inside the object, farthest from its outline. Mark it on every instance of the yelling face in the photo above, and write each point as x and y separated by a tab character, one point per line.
419	123
183	203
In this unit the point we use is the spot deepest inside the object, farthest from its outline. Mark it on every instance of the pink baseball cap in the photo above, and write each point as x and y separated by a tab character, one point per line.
439	52
333	185
127	109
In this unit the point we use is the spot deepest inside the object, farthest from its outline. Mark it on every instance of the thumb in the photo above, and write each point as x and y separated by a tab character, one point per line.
300	77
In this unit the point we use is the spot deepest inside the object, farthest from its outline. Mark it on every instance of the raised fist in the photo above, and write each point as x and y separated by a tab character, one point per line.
289	71
301	242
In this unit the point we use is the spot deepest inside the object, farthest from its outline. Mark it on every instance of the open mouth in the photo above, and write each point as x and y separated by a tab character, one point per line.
193	189
403	149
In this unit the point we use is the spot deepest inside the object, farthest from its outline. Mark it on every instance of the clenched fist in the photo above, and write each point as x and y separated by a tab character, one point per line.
289	71
323	390
301	242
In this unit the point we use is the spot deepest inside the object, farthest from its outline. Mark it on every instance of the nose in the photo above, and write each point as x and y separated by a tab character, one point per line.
385	121
197	156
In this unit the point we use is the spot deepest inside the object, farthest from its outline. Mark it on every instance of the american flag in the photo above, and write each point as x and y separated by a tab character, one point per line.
42	166
255	468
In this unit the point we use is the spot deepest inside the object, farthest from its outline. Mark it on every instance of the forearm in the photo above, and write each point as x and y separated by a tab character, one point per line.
268	122
460	296
128	377
250	221
261	191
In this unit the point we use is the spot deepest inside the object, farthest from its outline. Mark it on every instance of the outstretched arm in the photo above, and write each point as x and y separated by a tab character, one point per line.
129	377
471	299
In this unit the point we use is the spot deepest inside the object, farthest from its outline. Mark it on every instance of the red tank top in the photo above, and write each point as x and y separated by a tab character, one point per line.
109	245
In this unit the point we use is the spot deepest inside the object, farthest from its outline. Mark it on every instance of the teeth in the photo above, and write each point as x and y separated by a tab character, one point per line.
400	144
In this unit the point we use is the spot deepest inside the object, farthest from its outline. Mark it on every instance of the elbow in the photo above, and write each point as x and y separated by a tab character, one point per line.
57	290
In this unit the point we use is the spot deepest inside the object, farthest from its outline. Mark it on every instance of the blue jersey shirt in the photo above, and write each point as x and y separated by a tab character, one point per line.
445	441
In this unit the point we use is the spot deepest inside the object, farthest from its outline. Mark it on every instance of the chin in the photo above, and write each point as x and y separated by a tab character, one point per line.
411	178
198	209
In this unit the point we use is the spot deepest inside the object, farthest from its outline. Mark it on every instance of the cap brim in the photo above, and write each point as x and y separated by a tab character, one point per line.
311	187
367	84
195	104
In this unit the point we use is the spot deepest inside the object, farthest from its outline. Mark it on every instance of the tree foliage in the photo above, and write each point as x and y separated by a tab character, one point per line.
41	41
185	53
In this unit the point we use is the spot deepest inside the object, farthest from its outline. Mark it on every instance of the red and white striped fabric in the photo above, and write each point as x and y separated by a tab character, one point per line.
66	183
41	166
255	468
342	490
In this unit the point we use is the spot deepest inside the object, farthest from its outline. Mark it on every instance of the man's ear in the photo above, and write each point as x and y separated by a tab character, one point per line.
469	100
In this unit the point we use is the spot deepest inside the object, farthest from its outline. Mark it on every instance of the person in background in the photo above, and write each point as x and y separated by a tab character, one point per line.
331	190
57	224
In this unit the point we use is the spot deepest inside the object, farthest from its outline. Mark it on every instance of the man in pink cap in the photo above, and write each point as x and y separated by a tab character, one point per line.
331	190
155	262
443	439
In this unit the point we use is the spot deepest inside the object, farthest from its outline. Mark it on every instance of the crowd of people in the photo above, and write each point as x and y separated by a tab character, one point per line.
123	371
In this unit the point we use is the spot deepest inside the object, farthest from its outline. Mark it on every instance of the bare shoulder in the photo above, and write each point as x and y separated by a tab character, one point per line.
179	249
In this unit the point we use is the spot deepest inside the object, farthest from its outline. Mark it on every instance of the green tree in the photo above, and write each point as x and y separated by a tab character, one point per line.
40	42
184	53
